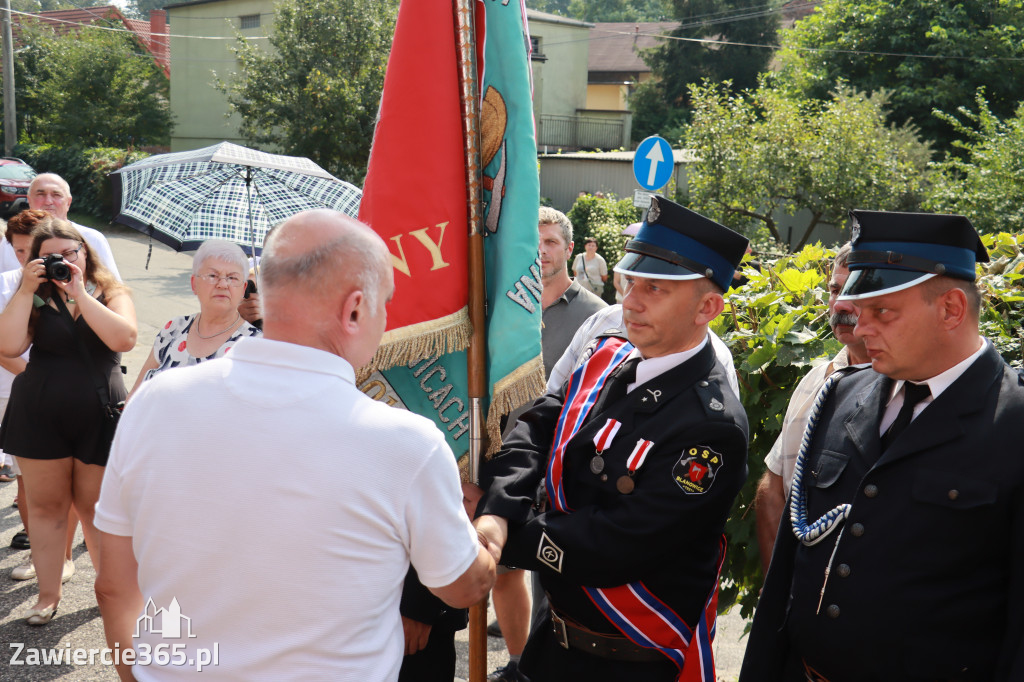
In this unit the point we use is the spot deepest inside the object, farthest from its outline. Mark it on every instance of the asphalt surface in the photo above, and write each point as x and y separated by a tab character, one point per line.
161	292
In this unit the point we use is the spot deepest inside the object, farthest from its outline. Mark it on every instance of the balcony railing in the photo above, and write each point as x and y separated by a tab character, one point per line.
579	132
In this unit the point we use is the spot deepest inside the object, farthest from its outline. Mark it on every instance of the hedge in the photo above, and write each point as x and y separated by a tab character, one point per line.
85	170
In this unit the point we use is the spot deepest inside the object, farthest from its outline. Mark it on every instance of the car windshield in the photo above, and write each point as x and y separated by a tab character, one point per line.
16	172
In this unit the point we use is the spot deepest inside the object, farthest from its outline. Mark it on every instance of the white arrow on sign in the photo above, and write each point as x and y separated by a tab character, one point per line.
655	157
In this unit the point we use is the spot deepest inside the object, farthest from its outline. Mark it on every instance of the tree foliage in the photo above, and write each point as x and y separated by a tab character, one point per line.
142	8
89	88
606	10
33	6
316	93
986	181
762	156
962	46
620	10
663	103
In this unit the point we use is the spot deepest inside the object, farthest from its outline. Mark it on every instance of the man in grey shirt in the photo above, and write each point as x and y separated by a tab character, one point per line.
566	306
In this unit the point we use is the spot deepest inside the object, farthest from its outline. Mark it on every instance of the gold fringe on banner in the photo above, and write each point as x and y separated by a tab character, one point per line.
428	339
524	385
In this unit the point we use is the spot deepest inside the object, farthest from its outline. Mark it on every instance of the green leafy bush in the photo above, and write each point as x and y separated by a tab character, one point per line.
84	169
603	218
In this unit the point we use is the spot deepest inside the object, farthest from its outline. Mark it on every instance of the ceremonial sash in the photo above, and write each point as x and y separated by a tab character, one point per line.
584	386
649	622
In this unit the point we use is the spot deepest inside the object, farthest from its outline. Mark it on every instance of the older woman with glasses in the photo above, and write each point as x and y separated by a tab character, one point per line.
219	273
78	320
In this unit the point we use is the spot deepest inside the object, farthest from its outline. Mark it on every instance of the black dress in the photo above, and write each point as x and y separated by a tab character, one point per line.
54	410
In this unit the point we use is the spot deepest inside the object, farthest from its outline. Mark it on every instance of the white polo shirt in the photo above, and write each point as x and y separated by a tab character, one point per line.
295	574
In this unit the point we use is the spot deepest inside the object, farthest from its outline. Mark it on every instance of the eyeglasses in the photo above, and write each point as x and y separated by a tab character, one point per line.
233	281
71	255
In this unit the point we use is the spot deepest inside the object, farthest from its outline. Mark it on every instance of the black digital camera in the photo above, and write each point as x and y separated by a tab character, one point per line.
56	268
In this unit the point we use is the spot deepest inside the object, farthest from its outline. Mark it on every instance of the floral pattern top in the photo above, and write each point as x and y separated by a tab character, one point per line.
170	350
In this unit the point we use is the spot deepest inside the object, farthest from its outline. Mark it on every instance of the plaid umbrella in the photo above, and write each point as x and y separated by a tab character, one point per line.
223	192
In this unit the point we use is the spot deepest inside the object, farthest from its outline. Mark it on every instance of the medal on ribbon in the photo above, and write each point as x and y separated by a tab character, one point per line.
602	441
626	484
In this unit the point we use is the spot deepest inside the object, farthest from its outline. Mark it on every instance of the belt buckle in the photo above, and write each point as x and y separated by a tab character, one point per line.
558	625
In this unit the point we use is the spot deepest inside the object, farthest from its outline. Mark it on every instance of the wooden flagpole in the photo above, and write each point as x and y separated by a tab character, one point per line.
465	31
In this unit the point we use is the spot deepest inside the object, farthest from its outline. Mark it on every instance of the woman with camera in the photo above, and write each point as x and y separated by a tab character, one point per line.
78	319
219	271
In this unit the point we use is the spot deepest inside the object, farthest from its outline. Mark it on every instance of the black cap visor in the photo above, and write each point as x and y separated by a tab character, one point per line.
880	281
642	265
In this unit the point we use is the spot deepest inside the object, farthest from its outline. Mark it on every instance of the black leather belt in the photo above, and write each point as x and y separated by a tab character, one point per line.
572	635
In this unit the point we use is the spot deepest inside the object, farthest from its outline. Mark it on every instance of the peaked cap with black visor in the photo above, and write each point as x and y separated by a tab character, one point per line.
675	243
896	251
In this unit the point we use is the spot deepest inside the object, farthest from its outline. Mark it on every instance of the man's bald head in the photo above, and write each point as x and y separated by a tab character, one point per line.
325	278
51	193
313	250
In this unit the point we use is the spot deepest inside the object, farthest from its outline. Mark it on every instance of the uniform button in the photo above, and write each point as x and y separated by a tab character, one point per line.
953	494
832	611
703	384
857	529
871	490
843	570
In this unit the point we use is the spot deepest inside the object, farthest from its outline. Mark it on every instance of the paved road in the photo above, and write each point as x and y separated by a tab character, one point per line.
161	292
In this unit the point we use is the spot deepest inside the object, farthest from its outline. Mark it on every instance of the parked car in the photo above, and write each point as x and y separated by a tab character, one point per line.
15	177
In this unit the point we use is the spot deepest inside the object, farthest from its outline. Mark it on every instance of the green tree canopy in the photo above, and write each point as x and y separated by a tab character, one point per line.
47	5
142	8
607	10
316	93
763	155
662	104
620	10
89	88
961	46
986	182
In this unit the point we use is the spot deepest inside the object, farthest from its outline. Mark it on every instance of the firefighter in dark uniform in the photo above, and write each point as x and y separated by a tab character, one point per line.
902	558
643	451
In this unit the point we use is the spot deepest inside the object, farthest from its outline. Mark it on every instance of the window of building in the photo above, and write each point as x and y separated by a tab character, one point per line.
250	21
535	51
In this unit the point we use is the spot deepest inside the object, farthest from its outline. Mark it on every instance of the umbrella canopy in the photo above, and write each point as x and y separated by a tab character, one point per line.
631	229
223	192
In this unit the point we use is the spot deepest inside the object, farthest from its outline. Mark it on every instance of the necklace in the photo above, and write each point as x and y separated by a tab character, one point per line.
229	328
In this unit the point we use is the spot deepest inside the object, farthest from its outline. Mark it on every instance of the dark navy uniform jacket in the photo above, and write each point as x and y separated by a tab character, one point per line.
660	534
927	582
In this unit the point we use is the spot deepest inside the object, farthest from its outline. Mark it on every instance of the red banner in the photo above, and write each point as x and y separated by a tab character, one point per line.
415	191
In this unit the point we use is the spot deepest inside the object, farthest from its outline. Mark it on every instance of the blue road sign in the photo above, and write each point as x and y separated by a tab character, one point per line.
653	163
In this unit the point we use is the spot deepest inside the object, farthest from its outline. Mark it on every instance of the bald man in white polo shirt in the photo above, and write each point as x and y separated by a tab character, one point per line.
374	488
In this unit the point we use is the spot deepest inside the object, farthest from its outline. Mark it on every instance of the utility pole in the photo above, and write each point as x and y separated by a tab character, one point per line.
10	119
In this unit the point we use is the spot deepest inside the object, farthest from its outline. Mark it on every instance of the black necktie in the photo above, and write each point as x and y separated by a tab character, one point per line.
912	395
617	383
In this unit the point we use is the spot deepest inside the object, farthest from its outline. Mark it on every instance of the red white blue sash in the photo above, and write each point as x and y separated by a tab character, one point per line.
649	622
585	385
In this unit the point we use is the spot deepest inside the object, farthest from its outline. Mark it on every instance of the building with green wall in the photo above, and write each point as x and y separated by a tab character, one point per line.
202	35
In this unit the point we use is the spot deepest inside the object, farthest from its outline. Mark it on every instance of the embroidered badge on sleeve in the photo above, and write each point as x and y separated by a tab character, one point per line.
549	553
696	469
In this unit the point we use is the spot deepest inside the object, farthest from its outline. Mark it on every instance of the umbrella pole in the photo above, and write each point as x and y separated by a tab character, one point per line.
465	32
252	229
